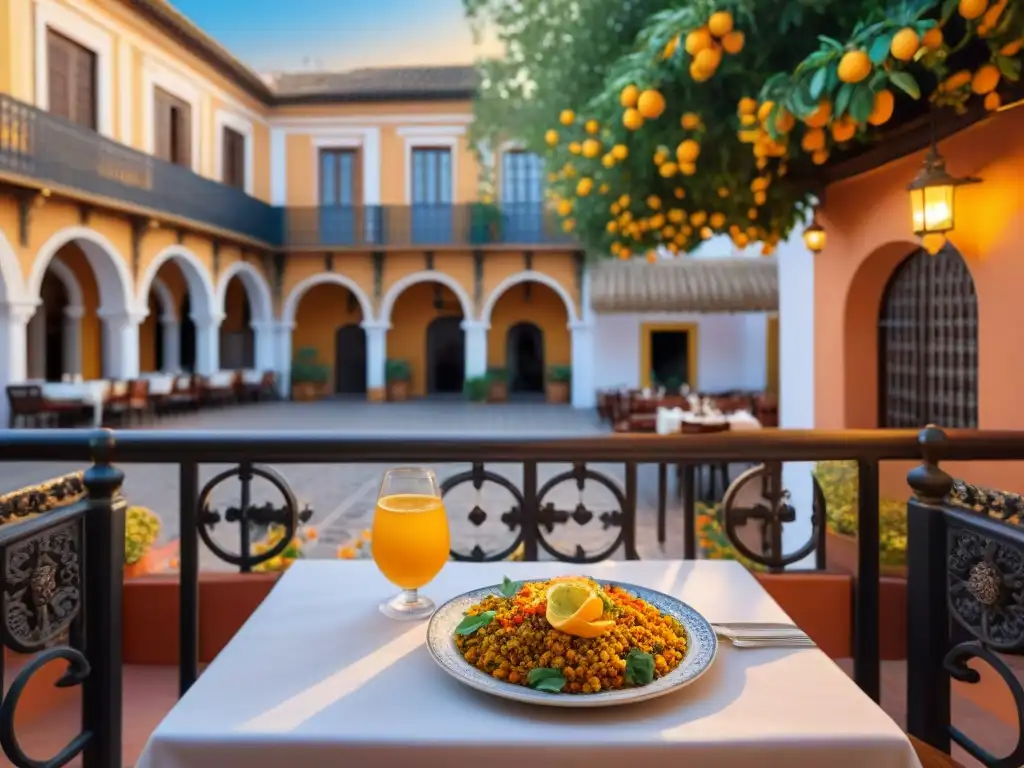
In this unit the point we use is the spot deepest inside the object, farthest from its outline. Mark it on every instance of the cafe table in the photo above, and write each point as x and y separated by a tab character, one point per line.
318	677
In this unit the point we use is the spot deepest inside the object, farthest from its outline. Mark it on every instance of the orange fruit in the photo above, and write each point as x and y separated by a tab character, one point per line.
632	119
705	63
551	137
1012	49
905	44
592	126
972	9
608	161
687	169
932	39
784	121
651	104
584	187
813	140
569	225
690	121
985	80
720	23
620	151
746	106
844	129
733	42
629	96
956	80
670	48
575	147
748	120
993	102
668	170
819	118
564	207
854	66
752	213
567	117
591	148
688	151
760	198
698	40
819	157
611	226
882	109
717	220
764	110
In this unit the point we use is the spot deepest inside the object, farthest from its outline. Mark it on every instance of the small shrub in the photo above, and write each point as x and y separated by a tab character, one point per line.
397	370
141	529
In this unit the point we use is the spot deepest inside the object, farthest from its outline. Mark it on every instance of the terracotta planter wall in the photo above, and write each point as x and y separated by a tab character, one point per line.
497	392
557	391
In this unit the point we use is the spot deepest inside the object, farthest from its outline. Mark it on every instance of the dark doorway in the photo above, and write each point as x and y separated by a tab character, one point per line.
350	360
670	358
55	301
524	351
187	337
158	335
446	356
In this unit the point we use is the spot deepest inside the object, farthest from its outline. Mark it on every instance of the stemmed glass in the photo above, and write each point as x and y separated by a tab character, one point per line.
410	540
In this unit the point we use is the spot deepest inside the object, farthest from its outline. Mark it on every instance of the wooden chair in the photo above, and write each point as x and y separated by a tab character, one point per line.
139	404
183	395
268	387
930	757
26	403
116	407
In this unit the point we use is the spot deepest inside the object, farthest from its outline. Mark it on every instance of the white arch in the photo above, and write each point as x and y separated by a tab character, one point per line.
256	290
165	298
291	304
426	276
67	277
528	276
12	285
108	266
200	287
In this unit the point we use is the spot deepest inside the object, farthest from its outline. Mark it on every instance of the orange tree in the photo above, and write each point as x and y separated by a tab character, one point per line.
713	119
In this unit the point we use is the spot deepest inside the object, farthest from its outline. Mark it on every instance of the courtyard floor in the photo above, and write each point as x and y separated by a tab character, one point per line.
342	496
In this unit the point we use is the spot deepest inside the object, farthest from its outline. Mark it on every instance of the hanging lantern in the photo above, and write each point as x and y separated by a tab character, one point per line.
932	198
814	236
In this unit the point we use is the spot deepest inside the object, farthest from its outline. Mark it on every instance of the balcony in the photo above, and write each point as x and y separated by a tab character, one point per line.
39	150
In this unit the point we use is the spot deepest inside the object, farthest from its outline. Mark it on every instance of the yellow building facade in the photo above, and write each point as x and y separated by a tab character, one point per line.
164	208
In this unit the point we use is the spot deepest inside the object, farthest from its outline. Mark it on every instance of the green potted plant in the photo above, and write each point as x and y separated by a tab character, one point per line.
398	376
476	388
484	223
497	385
141	529
557	384
309	375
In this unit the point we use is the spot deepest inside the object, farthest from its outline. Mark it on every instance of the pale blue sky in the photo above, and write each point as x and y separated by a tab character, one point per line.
336	34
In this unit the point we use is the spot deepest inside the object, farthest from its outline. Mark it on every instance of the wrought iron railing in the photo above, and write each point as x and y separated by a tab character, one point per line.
48	149
959	535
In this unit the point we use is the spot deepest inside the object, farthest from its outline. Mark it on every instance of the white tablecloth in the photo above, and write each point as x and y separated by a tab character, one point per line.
91	393
318	677
668	421
221	379
251	376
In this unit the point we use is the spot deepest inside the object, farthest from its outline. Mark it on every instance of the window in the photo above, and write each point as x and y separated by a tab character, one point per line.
522	196
668	355
928	344
431	176
173	125
340	180
233	158
72	76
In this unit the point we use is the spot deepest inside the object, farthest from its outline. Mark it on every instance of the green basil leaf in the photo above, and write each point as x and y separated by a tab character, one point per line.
880	48
509	588
818	83
546	679
639	667
862	103
906	83
471	624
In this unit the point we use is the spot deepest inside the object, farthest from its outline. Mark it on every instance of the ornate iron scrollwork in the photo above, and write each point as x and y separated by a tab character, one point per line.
77	671
771	510
1001	505
287	515
549	516
986	588
512	517
42	586
37	499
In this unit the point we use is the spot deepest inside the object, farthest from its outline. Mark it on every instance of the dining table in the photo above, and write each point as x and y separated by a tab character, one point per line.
91	394
319	677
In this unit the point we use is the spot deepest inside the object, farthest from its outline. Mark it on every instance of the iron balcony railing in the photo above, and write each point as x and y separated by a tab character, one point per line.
48	149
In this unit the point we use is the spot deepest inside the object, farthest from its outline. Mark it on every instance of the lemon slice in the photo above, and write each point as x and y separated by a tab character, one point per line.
574	608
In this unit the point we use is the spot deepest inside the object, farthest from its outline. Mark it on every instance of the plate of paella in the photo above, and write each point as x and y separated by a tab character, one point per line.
571	641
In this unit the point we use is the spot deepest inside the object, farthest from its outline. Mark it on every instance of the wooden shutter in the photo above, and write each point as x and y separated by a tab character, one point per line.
233	151
162	125
72	80
183	151
172	128
84	95
58	56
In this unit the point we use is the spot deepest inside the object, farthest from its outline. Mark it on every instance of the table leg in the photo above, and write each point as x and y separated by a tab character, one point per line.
97	414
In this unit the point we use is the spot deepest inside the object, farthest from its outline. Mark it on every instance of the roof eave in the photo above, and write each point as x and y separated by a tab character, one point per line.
291	99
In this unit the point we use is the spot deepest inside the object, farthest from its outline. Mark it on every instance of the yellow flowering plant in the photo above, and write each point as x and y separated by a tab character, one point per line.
275	534
141	529
713	541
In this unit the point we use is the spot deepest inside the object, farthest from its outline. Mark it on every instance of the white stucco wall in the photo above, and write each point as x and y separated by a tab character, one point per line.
730	355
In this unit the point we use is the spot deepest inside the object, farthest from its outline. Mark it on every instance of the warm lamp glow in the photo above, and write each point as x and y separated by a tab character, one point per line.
932	198
814	237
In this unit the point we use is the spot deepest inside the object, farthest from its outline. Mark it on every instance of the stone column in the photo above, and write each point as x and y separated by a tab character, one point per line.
121	344
14	320
170	330
72	352
476	347
376	359
583	394
283	346
207	342
265	342
36	337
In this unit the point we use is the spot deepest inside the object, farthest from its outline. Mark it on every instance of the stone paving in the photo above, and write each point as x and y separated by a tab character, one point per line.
342	495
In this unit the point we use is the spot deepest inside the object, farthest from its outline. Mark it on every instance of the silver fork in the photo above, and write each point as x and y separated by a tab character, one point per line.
763	635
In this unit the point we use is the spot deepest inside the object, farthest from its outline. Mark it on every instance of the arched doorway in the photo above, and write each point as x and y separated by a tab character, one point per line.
237	341
187	336
55	303
524	348
350	360
928	344
246	333
446	356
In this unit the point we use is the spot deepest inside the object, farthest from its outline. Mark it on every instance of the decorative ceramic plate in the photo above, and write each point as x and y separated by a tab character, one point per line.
702	646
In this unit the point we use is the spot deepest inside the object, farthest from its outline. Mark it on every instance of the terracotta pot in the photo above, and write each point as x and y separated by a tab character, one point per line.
497	391
841	556
147	564
398	391
557	391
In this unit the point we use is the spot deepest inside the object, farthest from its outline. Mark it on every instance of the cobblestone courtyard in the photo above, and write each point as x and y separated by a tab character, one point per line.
342	496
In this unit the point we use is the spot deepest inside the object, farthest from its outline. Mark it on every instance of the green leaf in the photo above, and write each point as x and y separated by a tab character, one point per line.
471	624
509	588
862	103
879	50
947	10
818	83
834	44
906	83
1009	68
546	679
843	99
639	667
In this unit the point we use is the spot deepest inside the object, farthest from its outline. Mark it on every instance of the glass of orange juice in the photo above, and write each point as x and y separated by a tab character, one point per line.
410	538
